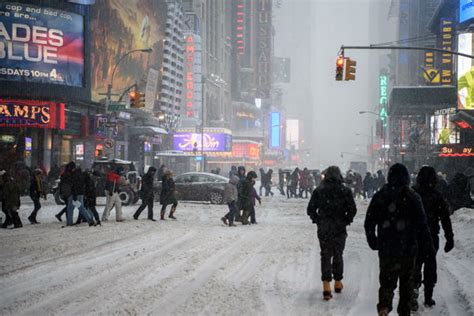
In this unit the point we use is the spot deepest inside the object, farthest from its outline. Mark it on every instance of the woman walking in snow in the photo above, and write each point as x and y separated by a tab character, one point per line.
168	195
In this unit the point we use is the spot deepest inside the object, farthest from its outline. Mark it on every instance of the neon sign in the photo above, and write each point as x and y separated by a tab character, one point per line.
210	141
189	78
456	152
31	114
383	100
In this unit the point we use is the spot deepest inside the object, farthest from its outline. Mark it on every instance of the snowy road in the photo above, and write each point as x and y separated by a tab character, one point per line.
198	266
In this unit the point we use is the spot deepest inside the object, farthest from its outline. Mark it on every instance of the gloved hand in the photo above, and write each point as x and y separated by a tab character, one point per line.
449	245
373	243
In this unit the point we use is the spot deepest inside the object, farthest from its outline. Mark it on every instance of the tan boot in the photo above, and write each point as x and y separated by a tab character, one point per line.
327	290
338	286
383	312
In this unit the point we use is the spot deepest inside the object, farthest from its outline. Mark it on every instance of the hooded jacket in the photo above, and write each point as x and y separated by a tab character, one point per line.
395	223
332	206
230	191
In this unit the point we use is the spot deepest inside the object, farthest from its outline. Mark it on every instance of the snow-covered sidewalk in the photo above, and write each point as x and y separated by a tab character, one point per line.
196	265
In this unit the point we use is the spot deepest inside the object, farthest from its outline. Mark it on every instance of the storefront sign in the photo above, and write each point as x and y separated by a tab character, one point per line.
28	144
447	43
39	44
36	114
264	48
7	139
212	142
383	99
456	152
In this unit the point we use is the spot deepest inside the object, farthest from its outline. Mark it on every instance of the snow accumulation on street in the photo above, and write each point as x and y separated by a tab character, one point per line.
197	266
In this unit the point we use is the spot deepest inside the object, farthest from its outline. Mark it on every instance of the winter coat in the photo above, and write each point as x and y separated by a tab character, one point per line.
332	208
11	196
167	195
304	181
459	193
231	193
147	185
245	194
89	192
36	188
396	213
78	184
254	196
368	182
113	181
436	210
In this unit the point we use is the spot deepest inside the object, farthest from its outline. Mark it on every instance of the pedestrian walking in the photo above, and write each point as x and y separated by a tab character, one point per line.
233	171
263	179
254	197
368	185
332	209
113	182
76	199
241	173
36	193
147	194
91	195
11	201
230	198
65	187
168	195
396	227
437	210
245	196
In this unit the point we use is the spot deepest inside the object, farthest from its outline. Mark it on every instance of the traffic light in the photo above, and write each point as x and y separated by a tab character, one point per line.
350	69
137	99
339	68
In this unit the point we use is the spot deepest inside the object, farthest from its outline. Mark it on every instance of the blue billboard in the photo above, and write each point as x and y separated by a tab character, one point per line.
466	10
39	44
275	135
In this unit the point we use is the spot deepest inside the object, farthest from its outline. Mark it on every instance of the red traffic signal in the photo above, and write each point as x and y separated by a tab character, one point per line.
340	68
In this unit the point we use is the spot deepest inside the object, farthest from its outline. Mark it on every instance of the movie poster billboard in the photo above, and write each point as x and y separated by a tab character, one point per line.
119	27
40	44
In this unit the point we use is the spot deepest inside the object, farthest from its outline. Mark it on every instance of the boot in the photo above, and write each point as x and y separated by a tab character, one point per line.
414	300
173	209
224	220
383	312
327	290
429	297
338	286
162	215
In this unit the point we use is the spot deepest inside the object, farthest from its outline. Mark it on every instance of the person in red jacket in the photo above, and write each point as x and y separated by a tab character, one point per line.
112	189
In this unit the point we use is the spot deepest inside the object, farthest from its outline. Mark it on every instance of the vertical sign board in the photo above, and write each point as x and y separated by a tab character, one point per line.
189	75
151	86
447	43
275	122
264	48
383	99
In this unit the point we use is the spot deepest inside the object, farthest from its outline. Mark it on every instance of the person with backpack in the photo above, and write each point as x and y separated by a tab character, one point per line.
396	226
332	208
112	188
147	194
36	193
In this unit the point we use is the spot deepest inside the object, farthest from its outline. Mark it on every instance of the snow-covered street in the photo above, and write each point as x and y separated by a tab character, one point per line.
196	265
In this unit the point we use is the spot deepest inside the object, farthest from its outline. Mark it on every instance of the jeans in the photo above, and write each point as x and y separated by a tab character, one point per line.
37	206
232	211
82	210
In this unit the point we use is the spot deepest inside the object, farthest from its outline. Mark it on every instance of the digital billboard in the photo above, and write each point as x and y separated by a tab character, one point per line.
213	142
121	26
466	10
275	135
465	73
39	44
443	131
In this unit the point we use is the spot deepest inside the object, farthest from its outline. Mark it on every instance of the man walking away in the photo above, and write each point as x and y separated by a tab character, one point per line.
147	194
263	179
268	183
91	195
77	199
436	209
36	193
230	197
65	187
396	226
332	209
10	202
112	189
245	197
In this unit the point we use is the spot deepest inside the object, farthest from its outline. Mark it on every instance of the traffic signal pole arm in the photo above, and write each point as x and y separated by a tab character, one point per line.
405	48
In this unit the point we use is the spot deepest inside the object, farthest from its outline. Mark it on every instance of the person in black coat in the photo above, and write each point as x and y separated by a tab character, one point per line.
37	192
168	195
11	201
332	209
459	193
77	199
396	226
368	185
437	210
147	194
65	187
245	196
90	195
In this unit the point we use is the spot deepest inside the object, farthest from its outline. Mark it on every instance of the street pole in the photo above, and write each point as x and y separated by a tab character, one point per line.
439	50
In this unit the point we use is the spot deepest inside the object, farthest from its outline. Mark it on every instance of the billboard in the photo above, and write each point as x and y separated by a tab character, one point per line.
292	134
465	73
39	44
275	135
32	114
213	142
443	131
466	10
123	26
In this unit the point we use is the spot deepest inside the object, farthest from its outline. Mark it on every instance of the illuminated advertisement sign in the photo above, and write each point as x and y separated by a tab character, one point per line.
465	73
40	44
193	74
383	99
443	131
447	43
456	152
264	48
35	114
28	144
275	136
292	133
126	25
246	150
213	142
466	10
